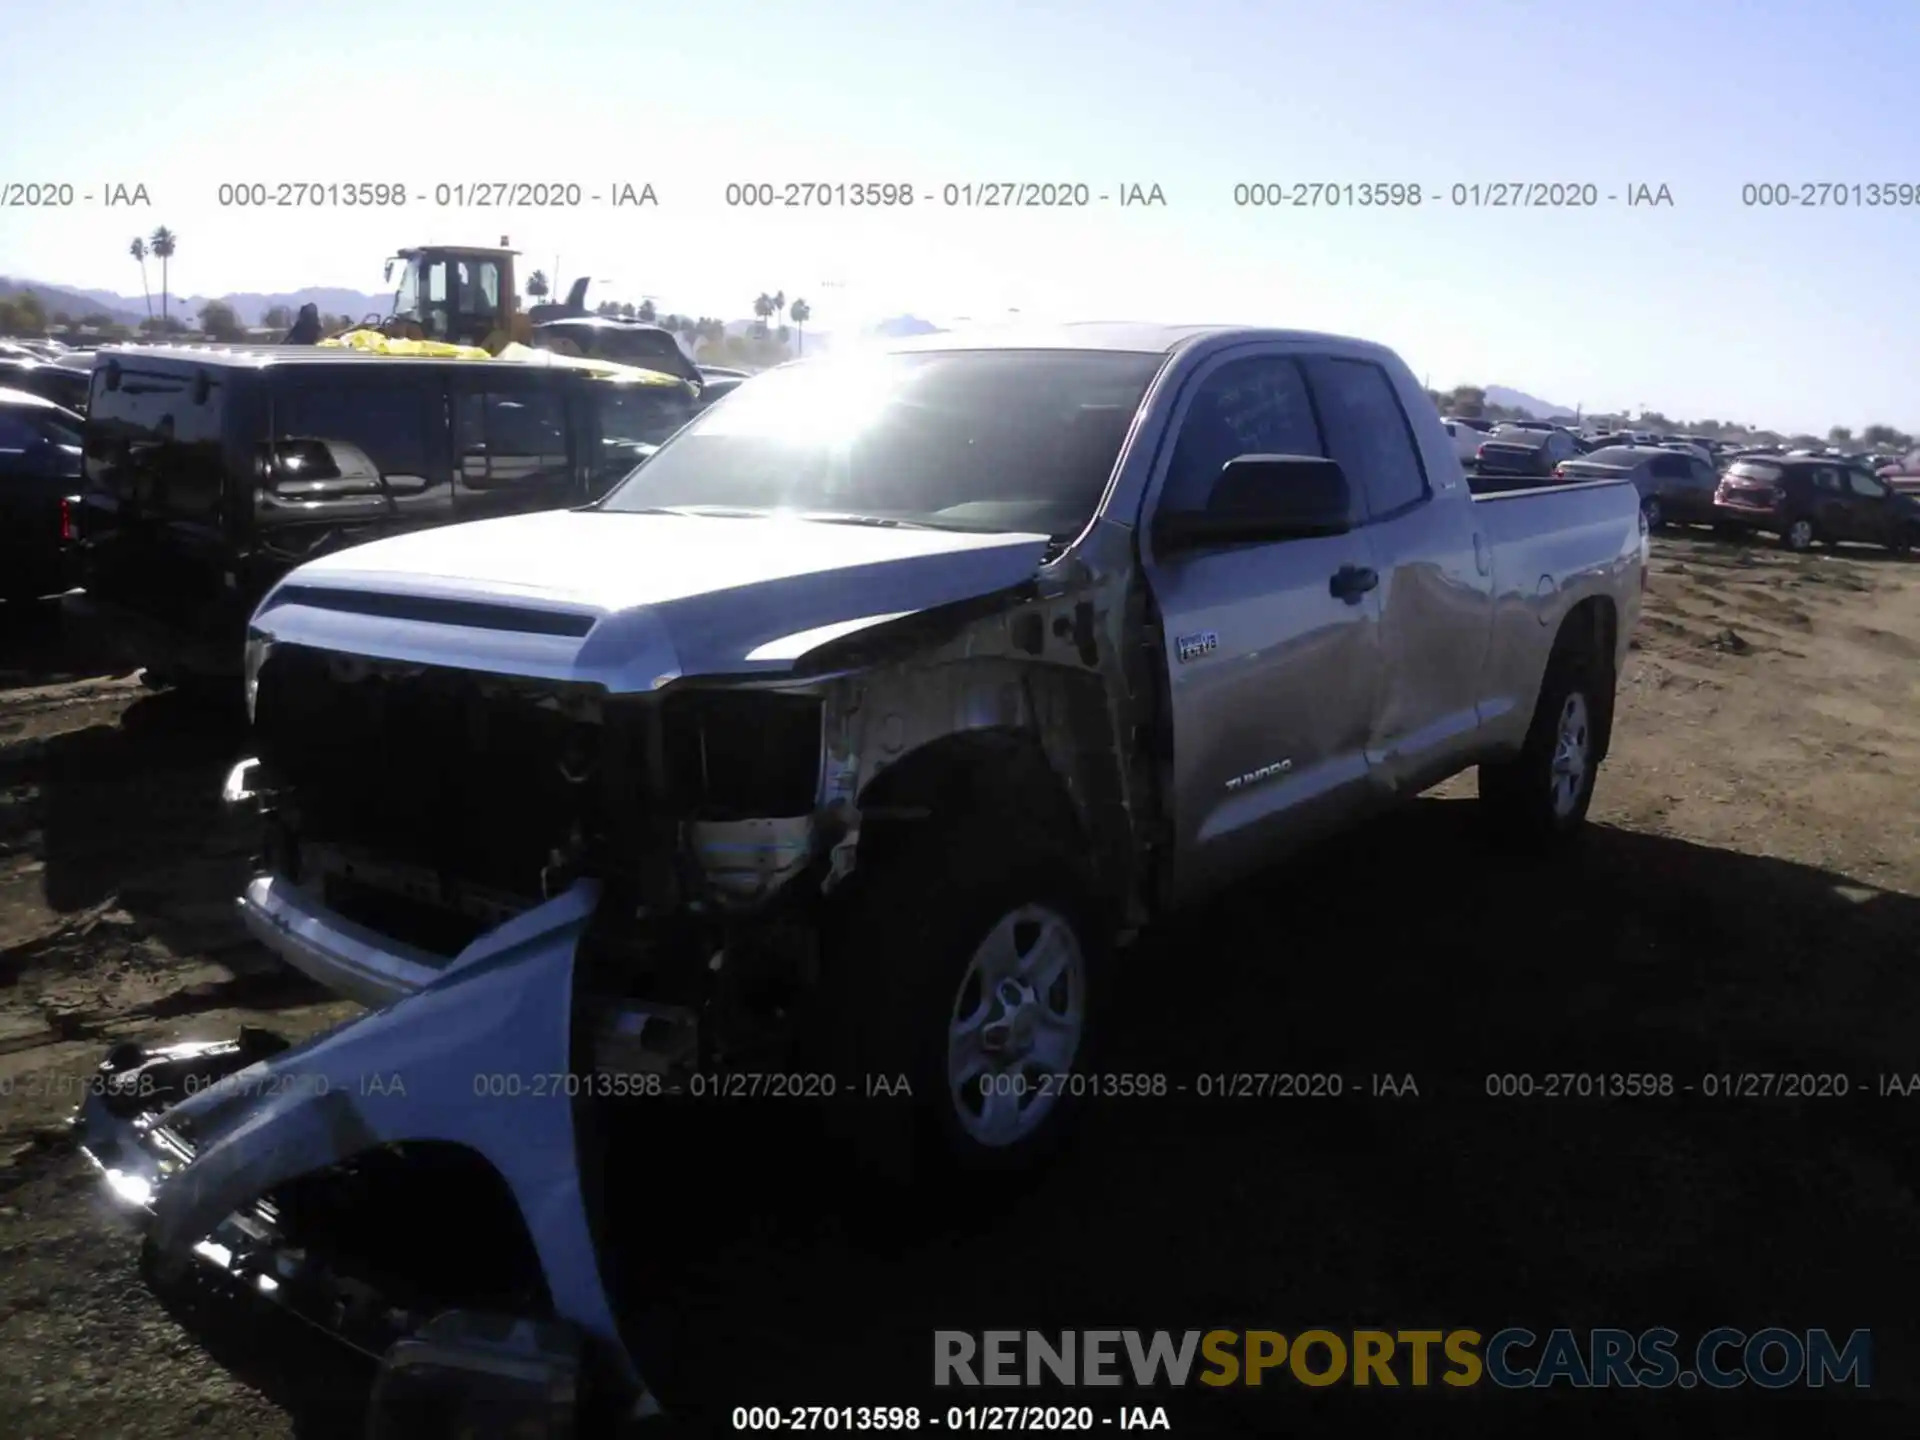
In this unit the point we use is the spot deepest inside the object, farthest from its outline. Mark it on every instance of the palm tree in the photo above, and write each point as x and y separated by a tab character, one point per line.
162	243
537	285
763	309
801	313
780	302
646	312
139	252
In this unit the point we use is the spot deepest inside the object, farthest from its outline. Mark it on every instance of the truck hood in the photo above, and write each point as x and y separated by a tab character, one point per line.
630	601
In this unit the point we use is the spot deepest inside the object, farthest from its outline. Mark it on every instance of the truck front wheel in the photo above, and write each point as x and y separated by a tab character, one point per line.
975	964
1543	793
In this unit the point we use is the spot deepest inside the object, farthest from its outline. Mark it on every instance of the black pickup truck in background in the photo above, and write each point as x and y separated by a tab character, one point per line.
209	473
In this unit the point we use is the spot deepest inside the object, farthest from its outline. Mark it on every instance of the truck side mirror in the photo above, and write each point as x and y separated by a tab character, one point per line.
1263	498
297	460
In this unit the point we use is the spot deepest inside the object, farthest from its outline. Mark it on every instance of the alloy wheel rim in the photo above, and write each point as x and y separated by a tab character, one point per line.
1016	1026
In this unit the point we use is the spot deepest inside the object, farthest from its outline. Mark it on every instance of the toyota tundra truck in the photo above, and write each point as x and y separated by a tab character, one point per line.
853	734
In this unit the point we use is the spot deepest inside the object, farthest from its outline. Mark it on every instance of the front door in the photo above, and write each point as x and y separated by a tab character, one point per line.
1272	648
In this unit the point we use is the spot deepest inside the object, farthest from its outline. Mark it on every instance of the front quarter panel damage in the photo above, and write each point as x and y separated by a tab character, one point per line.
1044	667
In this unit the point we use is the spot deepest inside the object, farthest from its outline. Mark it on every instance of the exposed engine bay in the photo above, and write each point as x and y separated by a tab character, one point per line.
431	805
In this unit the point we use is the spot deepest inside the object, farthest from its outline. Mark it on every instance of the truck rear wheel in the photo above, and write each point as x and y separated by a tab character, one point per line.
1544	792
972	967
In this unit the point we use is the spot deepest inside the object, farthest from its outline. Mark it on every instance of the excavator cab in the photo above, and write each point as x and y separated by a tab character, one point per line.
463	295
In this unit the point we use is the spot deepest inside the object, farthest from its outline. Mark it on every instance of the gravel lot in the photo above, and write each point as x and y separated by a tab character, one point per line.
1749	900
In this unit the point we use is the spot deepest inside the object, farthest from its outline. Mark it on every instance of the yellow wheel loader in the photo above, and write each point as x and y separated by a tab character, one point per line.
467	295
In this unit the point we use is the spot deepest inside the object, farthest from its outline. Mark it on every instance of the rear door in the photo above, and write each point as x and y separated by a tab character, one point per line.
158	488
513	443
1874	518
1670	473
1436	578
1271	674
1701	483
1828	502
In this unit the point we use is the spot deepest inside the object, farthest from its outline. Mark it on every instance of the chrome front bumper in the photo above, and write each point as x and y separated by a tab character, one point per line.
333	951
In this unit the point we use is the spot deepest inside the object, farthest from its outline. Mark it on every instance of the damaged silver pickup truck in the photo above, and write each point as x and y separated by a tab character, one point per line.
849	737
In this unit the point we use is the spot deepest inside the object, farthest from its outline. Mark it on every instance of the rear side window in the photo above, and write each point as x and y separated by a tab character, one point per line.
386	423
1257	406
163	429
1368	432
509	437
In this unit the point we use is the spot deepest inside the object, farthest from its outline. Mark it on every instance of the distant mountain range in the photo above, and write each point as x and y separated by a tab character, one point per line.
1518	400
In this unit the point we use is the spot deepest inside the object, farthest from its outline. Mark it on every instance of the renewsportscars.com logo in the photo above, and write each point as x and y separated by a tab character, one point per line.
1513	1359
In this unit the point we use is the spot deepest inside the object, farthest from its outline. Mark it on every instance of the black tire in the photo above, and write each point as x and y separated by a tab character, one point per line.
1521	794
1653	511
906	940
1799	536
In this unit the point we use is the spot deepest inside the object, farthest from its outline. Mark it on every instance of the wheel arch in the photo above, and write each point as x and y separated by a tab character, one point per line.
1589	634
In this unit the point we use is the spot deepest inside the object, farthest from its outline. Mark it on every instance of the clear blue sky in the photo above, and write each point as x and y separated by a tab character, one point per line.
1706	309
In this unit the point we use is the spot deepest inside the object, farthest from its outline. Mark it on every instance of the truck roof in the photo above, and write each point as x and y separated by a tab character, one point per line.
1141	337
258	355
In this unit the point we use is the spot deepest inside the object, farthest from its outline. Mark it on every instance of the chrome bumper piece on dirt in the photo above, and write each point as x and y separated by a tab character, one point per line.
194	1156
332	950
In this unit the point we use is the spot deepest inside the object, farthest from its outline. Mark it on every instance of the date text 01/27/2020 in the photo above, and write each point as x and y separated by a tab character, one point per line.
1462	195
443	195
807	1419
951	195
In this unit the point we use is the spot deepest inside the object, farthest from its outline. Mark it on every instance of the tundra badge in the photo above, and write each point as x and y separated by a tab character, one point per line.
1192	647
1265	772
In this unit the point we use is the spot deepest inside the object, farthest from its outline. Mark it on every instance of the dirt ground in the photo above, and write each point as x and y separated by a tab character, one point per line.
1749	900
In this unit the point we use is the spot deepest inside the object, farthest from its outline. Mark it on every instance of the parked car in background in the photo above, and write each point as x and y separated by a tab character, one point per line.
1675	487
1466	439
1810	501
1689	448
42	350
1903	470
1524	452
61	384
40	445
